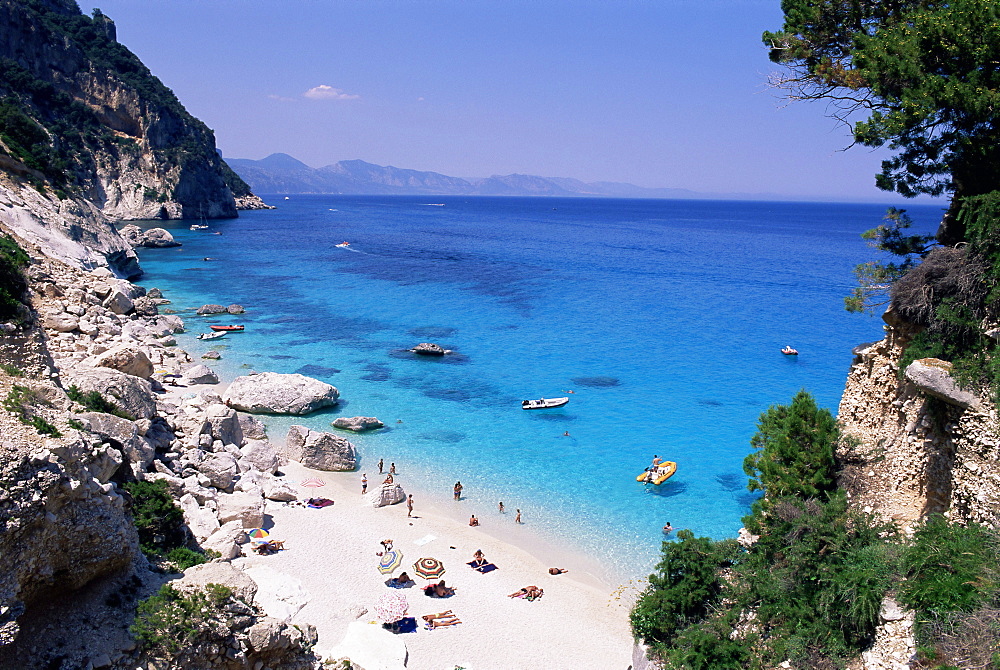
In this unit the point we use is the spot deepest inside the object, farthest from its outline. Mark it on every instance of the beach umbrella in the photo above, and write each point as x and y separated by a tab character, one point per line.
389	561
429	568
257	534
313	482
390	607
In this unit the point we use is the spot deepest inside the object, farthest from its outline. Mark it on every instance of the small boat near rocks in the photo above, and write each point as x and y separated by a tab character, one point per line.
198	226
543	403
211	336
227	329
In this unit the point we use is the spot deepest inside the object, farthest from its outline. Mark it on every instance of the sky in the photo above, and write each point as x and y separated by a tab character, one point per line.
665	93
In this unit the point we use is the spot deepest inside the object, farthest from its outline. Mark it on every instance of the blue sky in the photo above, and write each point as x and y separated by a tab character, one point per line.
671	93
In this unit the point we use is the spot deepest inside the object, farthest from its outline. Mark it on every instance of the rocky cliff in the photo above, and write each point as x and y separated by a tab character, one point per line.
88	135
921	445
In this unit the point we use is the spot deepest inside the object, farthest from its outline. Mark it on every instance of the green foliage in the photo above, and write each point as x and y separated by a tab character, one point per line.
168	621
876	277
76	424
13	260
95	402
950	567
182	558
924	71
11	370
159	522
684	587
708	646
44	427
794	450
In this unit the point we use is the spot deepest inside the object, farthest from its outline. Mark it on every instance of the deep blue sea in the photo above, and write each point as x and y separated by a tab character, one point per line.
663	317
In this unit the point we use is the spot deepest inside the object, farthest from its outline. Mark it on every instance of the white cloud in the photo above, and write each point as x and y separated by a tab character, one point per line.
280	97
324	92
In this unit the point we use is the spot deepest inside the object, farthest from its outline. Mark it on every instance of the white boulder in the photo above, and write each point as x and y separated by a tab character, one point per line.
318	450
273	393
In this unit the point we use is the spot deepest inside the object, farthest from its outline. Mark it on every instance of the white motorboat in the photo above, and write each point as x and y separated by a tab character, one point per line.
543	403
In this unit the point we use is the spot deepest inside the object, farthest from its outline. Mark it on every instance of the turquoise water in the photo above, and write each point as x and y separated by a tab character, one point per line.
664	317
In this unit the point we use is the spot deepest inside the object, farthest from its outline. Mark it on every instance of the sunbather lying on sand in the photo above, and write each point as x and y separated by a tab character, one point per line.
438	590
446	618
529	592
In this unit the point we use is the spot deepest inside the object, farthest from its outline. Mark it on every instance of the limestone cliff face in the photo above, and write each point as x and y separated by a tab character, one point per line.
140	155
916	454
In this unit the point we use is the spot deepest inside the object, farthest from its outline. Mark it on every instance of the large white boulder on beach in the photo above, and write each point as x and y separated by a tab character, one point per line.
259	455
128	359
386	494
227	540
200	520
247	508
279	490
218	572
274	393
320	451
371	647
200	374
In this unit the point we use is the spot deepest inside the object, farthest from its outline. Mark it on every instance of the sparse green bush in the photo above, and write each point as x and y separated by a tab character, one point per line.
158	520
44	427
95	402
12	284
11	370
182	558
950	567
169	620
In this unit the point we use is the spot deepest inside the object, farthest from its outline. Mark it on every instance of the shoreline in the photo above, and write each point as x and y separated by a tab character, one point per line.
583	595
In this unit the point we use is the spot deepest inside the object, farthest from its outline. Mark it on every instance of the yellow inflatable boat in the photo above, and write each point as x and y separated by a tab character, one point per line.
662	473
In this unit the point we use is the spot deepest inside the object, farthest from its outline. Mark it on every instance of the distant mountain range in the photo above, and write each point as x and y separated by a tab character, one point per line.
280	173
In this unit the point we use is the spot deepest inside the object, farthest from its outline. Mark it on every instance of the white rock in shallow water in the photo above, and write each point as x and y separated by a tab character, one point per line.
386	494
273	393
201	374
357	423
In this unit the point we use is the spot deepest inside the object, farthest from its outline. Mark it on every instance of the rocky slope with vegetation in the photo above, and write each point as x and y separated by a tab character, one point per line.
88	135
875	544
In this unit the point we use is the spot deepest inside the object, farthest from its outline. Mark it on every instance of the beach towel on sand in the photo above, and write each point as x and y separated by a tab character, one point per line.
318	503
488	567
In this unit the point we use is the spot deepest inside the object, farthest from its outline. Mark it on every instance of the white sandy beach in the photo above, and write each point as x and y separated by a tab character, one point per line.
330	564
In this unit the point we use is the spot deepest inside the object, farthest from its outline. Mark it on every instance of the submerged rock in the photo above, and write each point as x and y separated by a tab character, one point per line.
357	423
429	349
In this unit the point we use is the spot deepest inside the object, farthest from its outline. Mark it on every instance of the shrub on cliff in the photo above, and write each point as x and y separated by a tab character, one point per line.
169	621
95	402
13	260
158	520
683	589
794	450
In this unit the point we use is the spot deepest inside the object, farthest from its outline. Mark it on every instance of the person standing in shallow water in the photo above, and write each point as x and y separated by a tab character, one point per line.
517	519
458	490
364	484
392	468
409	505
380	466
501	507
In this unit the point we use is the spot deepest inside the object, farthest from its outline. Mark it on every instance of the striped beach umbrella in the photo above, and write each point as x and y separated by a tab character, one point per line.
257	534
429	568
389	561
390	607
313	482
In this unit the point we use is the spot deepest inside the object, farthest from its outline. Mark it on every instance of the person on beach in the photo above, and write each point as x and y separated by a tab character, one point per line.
438	590
364	484
530	592
668	528
501	507
387	480
409	505
517	519
392	468
458	490
402	580
557	571
386	545
473	521
479	559
380	466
